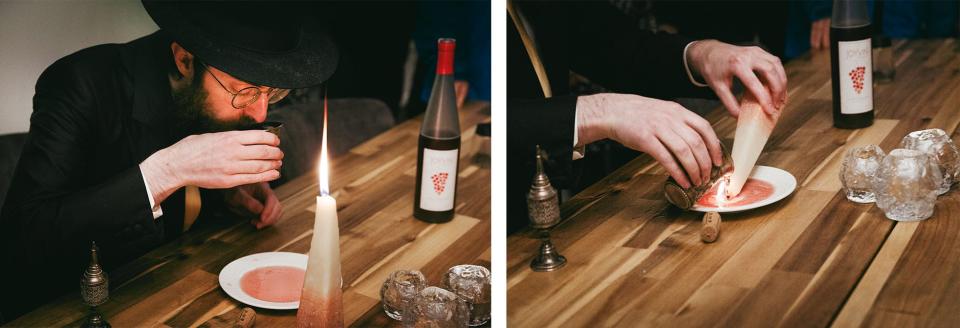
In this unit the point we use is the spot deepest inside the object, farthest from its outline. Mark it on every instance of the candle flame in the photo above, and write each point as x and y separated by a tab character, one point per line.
721	195
324	167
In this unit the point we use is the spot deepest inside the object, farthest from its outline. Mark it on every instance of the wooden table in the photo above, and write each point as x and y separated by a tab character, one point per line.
176	284
812	259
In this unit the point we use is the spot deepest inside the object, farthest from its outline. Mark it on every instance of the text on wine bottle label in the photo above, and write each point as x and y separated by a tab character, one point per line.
856	76
439	179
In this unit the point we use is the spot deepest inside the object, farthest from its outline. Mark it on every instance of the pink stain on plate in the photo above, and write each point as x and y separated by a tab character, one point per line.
279	284
753	191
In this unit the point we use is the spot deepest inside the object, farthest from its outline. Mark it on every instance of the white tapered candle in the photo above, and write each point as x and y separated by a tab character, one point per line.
753	129
320	302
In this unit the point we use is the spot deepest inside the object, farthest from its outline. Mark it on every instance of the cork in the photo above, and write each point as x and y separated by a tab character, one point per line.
711	227
247	318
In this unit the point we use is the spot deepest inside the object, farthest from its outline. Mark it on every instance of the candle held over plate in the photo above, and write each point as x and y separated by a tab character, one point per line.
753	129
320	301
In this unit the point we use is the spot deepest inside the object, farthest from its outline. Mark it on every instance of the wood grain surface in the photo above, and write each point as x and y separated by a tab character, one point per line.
813	259
177	285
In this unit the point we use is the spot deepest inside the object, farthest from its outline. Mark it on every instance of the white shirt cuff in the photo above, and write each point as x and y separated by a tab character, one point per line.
577	151
154	207
687	66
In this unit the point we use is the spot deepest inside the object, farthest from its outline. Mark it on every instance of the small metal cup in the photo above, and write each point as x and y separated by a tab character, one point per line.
684	198
269	126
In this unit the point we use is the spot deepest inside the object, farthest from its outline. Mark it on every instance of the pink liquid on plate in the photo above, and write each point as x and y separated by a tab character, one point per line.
753	191
274	283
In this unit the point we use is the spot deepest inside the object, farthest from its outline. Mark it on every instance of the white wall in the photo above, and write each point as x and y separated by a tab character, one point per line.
34	34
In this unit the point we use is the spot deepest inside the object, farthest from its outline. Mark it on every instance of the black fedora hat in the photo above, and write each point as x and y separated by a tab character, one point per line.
270	44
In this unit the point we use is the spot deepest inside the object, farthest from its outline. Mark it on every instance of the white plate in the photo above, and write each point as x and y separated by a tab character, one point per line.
782	181
231	274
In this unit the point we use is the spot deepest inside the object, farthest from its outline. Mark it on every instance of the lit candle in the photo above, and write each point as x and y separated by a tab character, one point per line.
320	301
753	129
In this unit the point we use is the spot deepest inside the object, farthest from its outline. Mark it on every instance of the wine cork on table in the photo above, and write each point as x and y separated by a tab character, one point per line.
710	230
247	318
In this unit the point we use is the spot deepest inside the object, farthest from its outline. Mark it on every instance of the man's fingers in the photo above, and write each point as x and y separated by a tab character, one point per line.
261	152
271	211
663	156
255	166
825	34
709	136
255	137
749	80
778	67
699	148
815	35
682	153
729	100
242	179
778	85
244	200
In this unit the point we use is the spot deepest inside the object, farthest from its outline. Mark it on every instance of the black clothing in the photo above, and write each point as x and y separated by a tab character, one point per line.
597	41
97	114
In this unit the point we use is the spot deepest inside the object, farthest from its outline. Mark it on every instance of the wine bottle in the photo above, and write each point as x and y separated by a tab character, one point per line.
851	64
438	153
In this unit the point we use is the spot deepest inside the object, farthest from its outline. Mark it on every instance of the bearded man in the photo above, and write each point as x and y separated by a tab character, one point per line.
131	144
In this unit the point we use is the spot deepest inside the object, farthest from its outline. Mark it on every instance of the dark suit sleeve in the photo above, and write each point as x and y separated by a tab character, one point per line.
545	122
56	203
54	209
608	48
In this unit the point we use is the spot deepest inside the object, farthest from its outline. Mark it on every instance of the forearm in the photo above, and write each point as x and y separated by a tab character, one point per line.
160	175
592	121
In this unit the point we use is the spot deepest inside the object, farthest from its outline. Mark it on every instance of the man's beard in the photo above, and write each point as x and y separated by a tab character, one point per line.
193	116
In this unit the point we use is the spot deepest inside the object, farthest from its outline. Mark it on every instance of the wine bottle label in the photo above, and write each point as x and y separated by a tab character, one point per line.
439	179
856	76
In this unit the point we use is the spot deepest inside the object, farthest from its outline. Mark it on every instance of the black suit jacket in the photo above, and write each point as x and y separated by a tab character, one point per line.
97	114
593	39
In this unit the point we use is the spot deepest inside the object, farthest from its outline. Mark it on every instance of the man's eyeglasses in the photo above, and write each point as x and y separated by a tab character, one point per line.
249	95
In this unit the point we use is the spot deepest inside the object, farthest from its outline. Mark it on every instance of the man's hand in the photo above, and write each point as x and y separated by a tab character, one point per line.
461	88
662	129
718	63
820	34
213	161
254	200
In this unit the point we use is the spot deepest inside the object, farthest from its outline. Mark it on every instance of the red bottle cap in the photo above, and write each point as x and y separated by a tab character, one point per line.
445	50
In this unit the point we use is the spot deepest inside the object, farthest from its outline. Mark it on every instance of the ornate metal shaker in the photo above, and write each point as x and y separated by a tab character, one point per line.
543	207
94	287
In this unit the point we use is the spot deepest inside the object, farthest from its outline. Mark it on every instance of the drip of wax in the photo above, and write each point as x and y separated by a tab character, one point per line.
753	130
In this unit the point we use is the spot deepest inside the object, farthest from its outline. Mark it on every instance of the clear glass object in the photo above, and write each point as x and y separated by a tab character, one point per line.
942	150
472	284
883	65
857	172
438	308
906	185
400	291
